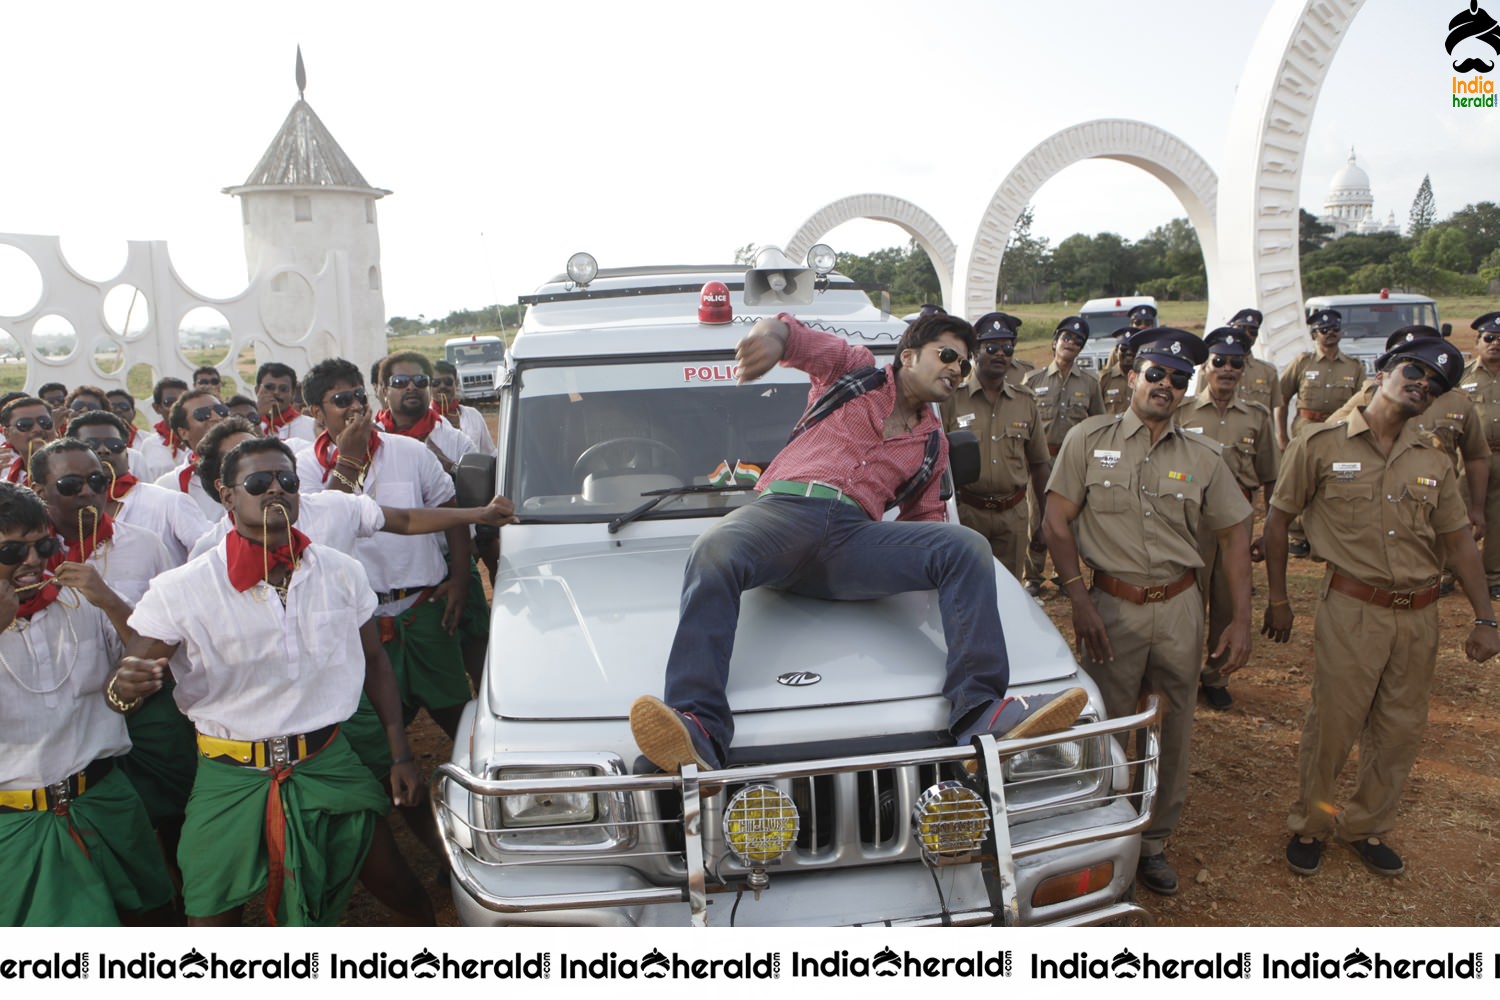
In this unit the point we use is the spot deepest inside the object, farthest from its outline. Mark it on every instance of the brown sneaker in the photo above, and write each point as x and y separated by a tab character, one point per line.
669	738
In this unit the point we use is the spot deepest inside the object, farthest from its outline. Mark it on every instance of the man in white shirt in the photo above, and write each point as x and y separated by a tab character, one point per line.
76	845
446	400
275	388
28	425
161	449
421	592
278	640
194	413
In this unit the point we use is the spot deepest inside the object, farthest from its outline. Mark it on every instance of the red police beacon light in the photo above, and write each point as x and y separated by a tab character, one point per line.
713	304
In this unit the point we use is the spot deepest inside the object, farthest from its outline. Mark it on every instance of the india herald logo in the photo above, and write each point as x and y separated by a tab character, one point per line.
1477	24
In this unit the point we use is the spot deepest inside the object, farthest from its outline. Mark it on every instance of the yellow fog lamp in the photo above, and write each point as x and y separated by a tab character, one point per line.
760	825
950	822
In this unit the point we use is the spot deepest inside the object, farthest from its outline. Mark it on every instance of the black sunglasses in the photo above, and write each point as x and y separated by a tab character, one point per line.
54	401
1490	338
1074	338
1328	329
71	486
27	423
202	412
998	347
1235	362
344	399
1156	373
444	381
14	553
122	406
948	356
83	406
206	380
402	381
257	483
1416	373
112	445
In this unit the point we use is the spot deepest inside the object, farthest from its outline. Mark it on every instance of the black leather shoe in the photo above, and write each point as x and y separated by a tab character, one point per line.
1156	873
1377	856
1304	856
1218	698
1495	593
1298	549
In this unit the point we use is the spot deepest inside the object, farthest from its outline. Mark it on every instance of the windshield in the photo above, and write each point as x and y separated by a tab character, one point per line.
1382	319
592	438
490	353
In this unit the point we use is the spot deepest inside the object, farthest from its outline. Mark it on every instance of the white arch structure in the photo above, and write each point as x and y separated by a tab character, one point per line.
1159	153
1264	154
883	208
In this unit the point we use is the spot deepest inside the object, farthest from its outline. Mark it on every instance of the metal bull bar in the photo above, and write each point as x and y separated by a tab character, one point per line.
691	883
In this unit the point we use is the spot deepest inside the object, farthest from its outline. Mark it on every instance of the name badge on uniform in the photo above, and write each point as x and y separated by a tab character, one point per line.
1346	470
1469	386
1111	392
1193	430
1041	390
1311	375
964	420
1108	459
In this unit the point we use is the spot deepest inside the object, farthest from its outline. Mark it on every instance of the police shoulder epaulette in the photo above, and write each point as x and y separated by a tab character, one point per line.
1202	440
1095	424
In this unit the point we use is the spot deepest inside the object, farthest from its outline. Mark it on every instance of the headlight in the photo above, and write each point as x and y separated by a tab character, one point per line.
760	824
1044	762
546	808
950	822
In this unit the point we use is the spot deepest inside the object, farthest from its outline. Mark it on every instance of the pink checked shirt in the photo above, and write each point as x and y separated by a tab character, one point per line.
849	449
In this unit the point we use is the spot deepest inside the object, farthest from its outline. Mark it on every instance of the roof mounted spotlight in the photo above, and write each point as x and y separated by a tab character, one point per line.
582	267
822	259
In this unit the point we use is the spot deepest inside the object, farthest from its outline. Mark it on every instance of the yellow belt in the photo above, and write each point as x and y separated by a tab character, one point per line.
264	753
70	788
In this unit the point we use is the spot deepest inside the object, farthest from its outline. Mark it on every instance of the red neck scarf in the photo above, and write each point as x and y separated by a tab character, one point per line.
249	560
83	546
419	430
450	410
17	471
39	599
121	486
167	437
135	432
328	454
185	477
279	419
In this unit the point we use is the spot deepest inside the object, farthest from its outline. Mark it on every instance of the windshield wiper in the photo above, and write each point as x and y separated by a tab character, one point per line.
657	496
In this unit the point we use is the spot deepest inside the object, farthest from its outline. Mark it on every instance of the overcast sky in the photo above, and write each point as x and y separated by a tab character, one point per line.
513	134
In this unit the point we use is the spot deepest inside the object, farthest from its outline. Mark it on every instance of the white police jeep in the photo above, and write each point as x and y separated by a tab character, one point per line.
622	435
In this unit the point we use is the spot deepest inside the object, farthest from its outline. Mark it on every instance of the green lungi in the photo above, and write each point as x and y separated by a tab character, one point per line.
366	738
160	763
474	620
428	662
330	806
50	882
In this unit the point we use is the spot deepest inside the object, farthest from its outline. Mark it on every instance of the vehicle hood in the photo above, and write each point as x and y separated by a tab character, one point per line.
580	631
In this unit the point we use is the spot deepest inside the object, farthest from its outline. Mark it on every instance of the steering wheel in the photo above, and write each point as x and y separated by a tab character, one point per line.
596	457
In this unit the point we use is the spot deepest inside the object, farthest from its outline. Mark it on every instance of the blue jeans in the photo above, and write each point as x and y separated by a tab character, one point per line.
831	550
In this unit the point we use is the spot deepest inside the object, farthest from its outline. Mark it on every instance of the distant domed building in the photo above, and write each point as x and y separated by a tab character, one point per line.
1350	207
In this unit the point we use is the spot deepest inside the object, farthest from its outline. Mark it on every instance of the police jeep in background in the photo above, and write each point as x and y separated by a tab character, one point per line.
623	434
1104	317
477	358
1369	319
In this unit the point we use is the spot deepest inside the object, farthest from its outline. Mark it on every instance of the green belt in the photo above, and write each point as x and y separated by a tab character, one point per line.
818	491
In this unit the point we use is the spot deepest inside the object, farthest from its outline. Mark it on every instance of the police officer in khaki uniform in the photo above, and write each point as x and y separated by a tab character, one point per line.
1019	369
1261	383
1454	420
1322	381
1382	505
1065	396
1242	430
1138	491
1481	383
1012	449
1114	384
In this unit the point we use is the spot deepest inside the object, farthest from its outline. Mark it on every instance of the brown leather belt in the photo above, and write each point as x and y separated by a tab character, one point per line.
1152	594
1413	600
984	502
1316	416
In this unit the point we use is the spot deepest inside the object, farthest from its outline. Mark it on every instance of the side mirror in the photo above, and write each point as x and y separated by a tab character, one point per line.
474	482
1447	329
963	457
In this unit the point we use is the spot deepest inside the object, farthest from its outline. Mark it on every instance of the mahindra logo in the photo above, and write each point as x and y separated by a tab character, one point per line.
799	678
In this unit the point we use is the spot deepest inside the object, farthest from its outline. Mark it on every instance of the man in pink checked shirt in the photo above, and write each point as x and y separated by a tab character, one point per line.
869	441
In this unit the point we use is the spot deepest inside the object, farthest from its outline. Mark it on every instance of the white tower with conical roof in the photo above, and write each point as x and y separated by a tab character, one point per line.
306	209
